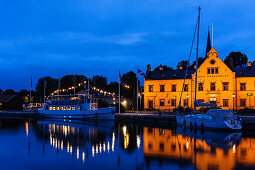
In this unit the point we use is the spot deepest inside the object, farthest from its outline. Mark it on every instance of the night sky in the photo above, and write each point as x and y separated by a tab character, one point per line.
58	37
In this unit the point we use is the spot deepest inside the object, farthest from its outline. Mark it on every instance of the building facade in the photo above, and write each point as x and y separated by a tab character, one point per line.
216	83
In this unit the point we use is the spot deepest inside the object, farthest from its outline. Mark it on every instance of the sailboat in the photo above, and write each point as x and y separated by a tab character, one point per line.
214	118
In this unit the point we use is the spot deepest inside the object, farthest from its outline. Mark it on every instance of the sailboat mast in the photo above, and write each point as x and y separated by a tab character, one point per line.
198	22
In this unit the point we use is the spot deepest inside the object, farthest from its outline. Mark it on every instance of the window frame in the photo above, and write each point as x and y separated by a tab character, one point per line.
212	86
161	102
162	88
150	88
242	85
173	87
225	102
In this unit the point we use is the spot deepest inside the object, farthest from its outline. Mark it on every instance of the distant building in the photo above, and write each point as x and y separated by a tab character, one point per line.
217	84
10	102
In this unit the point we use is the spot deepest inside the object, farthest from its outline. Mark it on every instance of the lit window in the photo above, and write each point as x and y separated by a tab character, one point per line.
54	108
162	88
225	102
73	107
242	86
212	86
61	108
162	102
173	87
65	108
79	107
57	108
69	108
150	88
50	108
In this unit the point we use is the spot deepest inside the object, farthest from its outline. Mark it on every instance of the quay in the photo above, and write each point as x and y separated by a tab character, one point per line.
147	119
141	118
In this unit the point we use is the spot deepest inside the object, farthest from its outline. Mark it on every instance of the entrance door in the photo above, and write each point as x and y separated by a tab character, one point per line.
150	104
213	100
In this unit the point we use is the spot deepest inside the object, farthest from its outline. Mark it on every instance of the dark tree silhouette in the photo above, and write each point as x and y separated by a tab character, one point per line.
99	82
9	91
235	59
165	68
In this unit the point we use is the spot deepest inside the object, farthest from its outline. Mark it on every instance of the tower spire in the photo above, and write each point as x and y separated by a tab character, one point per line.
212	34
208	44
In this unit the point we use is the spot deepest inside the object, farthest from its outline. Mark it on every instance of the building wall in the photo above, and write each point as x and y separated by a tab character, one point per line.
224	98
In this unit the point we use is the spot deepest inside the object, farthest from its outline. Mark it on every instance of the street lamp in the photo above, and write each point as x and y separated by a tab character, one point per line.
233	102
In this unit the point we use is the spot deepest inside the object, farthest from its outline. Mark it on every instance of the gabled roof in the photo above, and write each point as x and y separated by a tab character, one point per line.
168	75
244	71
6	98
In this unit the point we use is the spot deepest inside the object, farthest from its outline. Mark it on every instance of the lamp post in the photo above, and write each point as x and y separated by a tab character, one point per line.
233	102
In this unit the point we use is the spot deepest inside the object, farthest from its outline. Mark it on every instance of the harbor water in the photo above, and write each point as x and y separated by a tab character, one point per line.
55	144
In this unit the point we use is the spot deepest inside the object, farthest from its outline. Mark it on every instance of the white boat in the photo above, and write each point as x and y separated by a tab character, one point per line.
214	118
78	106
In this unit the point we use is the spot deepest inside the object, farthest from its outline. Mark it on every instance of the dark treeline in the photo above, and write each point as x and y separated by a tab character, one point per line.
98	81
232	60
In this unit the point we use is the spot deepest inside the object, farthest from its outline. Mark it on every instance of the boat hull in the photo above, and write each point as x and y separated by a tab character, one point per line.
99	114
206	124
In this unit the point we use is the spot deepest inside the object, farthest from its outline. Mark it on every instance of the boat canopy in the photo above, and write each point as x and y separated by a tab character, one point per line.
220	114
197	103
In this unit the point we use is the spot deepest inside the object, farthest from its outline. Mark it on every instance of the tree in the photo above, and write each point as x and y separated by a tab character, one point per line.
200	61
113	87
9	91
183	64
1	91
235	59
99	82
51	86
130	79
165	68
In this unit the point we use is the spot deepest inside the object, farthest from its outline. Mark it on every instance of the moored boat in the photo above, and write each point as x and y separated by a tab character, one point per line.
78	106
213	119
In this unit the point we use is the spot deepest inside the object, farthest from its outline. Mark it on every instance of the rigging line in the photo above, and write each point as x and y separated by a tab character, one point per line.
188	64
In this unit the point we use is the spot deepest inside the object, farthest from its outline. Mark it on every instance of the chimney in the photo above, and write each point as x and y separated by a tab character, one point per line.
249	64
148	69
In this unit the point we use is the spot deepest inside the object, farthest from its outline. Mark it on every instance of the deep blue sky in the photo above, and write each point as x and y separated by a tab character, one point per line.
59	37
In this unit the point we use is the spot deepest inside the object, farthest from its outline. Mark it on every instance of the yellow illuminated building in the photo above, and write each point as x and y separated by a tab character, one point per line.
216	83
164	143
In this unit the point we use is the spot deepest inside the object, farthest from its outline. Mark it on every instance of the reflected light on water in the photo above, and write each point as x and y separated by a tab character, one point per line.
27	128
138	141
108	147
234	148
78	152
83	156
93	151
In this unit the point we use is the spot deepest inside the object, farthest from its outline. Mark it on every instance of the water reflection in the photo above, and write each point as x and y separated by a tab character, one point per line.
123	146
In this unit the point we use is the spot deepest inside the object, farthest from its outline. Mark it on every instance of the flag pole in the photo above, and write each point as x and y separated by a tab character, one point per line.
30	95
137	91
44	89
119	97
